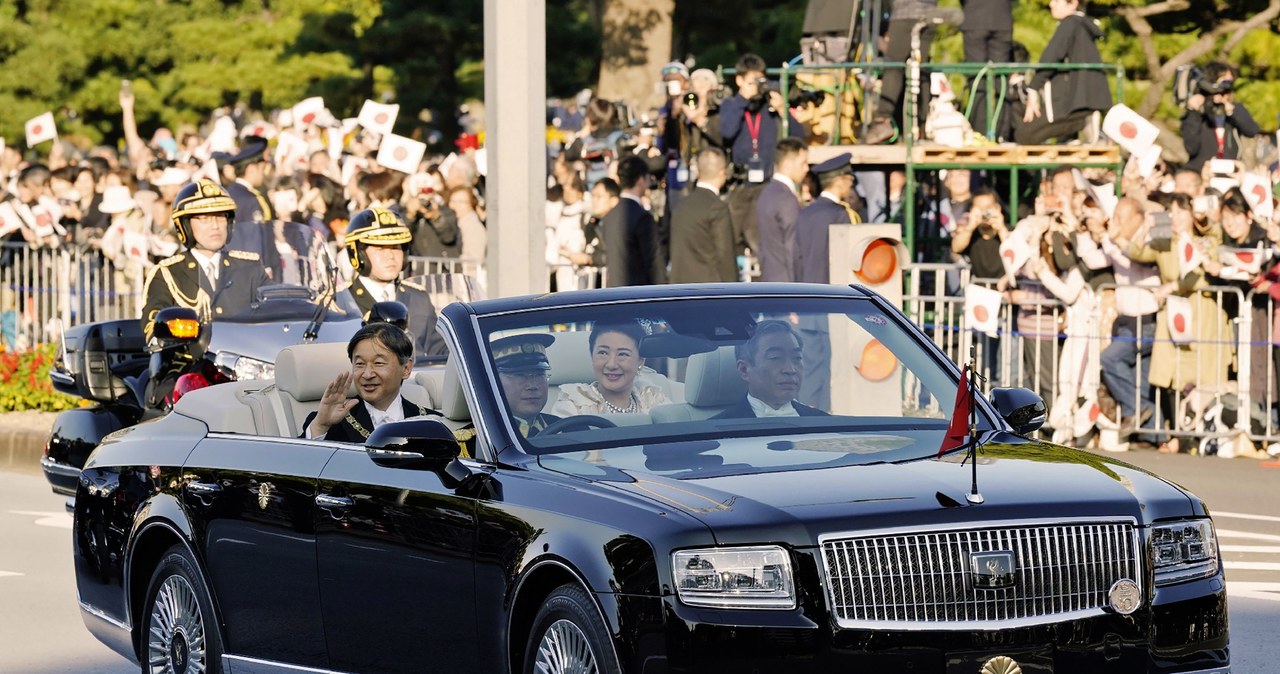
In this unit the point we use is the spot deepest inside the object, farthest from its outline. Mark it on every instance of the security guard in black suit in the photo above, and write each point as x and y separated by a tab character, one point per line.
207	276
377	241
522	365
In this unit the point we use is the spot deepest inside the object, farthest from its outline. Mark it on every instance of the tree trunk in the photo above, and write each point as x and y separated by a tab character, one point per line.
636	39
1161	73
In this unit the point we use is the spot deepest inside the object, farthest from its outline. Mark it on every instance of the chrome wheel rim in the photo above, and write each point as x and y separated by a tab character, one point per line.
176	641
564	650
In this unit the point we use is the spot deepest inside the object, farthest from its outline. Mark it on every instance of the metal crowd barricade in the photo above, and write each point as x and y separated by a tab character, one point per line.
1267	401
44	290
418	266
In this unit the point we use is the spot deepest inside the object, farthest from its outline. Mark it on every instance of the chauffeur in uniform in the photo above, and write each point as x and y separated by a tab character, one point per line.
522	365
376	242
206	277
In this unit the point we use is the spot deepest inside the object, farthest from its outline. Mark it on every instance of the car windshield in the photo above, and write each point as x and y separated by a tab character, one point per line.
300	270
720	384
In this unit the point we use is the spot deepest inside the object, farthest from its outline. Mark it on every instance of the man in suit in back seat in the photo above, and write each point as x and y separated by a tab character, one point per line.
772	364
381	357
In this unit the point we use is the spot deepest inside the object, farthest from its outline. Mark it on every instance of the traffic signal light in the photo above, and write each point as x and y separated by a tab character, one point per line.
866	377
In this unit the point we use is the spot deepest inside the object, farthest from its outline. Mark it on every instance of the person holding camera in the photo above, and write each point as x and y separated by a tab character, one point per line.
750	121
979	233
1214	122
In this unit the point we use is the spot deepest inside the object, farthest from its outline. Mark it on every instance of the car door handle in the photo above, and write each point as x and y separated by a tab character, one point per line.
333	502
204	488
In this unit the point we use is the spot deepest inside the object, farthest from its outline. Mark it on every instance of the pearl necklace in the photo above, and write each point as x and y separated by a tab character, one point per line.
633	408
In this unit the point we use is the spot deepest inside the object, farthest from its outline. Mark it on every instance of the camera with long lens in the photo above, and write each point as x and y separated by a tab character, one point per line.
1189	80
796	96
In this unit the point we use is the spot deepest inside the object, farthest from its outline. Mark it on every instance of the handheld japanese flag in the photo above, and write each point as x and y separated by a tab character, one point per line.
1147	160
1014	252
9	221
958	430
223	136
982	309
1104	196
40	129
1132	131
1189	256
208	171
379	116
308	111
940	87
400	153
1178	313
1247	260
1257	191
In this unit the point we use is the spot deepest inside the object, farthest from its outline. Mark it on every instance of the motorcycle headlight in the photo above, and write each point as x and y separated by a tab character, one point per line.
244	367
1183	551
748	578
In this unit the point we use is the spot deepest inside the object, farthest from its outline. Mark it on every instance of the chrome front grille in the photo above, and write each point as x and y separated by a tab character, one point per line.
923	580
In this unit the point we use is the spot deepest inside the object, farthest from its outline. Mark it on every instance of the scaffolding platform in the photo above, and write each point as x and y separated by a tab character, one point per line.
1003	155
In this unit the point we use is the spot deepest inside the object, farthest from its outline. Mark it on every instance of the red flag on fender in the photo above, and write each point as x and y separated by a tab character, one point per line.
958	430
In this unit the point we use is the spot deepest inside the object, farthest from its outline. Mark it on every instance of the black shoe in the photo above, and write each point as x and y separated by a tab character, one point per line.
880	131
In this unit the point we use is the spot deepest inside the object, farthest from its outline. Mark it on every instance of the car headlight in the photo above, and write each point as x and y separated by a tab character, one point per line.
1183	551
245	367
750	578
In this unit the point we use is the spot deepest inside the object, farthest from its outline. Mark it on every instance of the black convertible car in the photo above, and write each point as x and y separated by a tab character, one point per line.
744	478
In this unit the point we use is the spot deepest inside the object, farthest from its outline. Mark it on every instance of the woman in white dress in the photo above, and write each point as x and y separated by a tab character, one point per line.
615	361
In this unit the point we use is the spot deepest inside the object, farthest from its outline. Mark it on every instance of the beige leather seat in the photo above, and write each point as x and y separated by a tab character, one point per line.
711	385
229	407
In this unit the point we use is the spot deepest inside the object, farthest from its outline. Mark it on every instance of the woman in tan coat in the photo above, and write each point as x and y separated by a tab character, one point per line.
1203	361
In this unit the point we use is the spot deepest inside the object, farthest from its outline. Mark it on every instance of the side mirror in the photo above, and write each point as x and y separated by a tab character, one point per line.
1023	409
416	444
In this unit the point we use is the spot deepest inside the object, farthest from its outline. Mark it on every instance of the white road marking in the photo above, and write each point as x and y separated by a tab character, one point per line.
9	573
1233	533
1253	566
56	520
1267	591
1256	549
1245	516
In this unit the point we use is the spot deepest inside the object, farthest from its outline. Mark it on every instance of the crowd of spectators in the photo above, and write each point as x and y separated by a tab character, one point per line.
716	185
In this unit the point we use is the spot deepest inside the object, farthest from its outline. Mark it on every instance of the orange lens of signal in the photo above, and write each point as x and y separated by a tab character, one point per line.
879	262
878	362
184	328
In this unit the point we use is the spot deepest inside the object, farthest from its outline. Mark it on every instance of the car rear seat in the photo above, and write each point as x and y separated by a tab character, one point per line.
225	408
712	384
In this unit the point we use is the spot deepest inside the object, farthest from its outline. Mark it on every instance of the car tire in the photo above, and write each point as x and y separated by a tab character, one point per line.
180	632
569	636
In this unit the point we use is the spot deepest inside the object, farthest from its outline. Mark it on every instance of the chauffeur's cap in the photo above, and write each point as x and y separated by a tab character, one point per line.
519	353
836	166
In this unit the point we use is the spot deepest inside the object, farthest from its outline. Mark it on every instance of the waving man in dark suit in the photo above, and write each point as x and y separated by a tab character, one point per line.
381	359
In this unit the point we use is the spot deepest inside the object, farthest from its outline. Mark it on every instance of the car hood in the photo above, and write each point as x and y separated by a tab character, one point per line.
1018	480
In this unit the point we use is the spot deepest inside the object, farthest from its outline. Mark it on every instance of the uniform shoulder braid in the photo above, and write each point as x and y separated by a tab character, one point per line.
172	260
244	255
412	285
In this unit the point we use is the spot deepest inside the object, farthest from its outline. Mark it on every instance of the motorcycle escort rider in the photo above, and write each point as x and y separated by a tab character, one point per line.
377	241
207	277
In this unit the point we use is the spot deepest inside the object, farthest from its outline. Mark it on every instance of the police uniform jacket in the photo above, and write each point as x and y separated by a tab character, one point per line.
776	213
466	435
178	282
812	263
355	298
357	426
